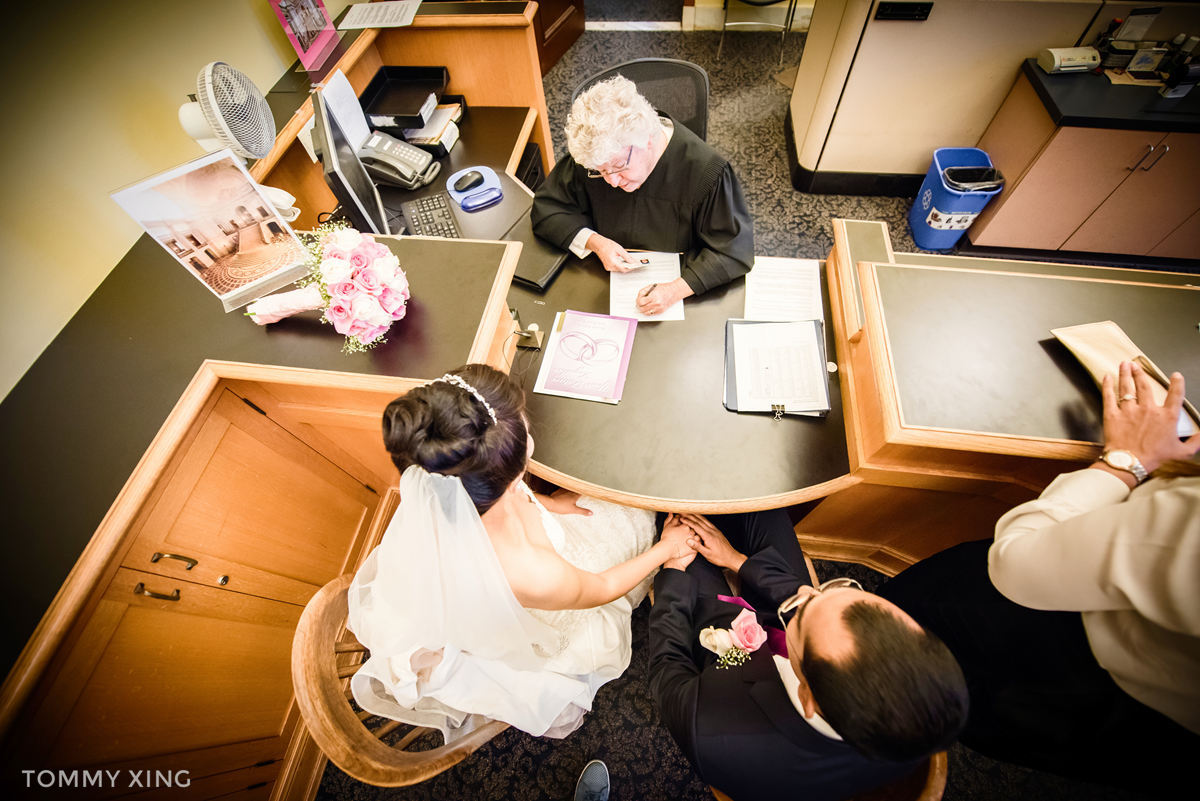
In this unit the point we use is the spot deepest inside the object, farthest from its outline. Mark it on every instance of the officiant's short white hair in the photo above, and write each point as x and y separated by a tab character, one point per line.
606	119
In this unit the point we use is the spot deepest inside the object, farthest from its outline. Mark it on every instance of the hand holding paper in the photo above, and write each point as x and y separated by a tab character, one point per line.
1139	424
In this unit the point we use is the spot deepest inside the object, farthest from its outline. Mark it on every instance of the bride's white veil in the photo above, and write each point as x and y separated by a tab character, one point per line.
449	643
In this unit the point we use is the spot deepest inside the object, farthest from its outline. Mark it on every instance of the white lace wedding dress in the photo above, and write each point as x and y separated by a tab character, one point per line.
450	646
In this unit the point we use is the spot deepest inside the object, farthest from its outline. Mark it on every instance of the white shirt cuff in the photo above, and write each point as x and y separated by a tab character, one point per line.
578	245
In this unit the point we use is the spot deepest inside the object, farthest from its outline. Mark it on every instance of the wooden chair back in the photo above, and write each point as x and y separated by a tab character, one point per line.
926	783
324	657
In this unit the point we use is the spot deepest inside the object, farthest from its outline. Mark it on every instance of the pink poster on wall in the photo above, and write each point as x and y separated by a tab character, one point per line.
308	27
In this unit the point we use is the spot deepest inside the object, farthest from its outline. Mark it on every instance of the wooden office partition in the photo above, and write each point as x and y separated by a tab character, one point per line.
492	59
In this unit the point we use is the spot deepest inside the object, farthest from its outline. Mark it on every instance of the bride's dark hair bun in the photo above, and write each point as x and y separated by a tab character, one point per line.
445	429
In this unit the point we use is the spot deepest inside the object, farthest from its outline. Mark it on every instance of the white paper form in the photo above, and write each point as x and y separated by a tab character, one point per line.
655	267
784	289
343	104
779	364
394	14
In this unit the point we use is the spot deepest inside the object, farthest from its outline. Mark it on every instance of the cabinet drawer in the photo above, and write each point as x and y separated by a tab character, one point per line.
198	680
249	507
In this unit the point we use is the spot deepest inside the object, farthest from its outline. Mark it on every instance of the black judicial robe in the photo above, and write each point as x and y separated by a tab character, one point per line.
691	203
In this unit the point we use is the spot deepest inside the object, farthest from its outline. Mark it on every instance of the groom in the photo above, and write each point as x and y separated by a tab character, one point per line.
860	697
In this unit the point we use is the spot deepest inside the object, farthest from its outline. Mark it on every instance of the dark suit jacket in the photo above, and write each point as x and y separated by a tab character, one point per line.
737	725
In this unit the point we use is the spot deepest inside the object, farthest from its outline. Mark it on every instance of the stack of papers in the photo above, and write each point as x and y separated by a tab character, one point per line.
775	355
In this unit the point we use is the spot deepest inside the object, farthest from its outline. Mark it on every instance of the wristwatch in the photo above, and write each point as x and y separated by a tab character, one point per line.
1124	460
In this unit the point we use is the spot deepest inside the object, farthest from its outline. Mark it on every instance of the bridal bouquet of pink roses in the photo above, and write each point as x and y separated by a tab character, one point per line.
354	279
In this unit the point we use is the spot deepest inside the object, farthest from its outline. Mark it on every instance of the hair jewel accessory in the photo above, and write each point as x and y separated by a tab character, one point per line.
459	382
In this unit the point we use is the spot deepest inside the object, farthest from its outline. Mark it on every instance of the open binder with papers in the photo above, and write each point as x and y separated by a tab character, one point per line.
775	358
776	367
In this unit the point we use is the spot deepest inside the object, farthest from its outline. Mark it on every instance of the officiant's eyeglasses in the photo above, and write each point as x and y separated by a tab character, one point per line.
796	602
603	173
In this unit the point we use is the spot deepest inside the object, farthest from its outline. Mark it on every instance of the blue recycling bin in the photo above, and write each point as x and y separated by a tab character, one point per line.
941	214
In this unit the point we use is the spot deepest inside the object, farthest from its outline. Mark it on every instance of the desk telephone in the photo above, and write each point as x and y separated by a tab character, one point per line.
392	161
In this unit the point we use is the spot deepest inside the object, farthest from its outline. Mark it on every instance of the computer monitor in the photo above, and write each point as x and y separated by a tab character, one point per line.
352	186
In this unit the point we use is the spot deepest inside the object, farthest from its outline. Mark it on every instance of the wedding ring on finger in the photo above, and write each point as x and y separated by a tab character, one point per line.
1128	396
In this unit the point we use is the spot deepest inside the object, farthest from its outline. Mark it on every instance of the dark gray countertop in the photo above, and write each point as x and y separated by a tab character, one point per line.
1089	100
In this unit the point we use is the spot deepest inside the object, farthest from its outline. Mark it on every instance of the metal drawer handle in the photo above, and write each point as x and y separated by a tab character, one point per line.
140	589
1134	165
185	559
1165	149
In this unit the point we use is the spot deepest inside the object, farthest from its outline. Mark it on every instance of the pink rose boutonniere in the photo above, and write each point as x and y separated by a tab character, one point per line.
355	280
734	645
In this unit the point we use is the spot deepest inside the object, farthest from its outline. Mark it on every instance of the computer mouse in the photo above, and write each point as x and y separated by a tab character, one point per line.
468	180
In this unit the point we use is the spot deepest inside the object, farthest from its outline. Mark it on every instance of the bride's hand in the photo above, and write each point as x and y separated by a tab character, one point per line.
564	502
676	534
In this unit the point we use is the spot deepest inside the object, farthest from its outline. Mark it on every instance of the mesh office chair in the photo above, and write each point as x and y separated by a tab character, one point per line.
679	88
788	17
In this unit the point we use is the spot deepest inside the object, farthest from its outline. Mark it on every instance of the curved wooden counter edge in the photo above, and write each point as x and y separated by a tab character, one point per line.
777	501
89	569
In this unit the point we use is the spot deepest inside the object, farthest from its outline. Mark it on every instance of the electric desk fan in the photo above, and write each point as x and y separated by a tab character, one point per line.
228	110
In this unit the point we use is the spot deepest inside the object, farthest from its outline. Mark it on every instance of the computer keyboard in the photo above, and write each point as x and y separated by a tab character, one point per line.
431	216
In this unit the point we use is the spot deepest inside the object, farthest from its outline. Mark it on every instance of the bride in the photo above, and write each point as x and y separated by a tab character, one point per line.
485	600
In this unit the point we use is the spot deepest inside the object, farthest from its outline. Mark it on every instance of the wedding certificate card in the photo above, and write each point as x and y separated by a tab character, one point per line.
587	356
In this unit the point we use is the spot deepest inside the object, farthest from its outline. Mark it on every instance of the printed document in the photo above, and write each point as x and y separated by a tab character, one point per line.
784	289
779	364
654	267
392	14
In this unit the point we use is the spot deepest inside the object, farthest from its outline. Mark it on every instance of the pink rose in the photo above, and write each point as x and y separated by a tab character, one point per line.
343	290
359	259
339	313
368	281
393	302
334	252
747	634
364	332
378	250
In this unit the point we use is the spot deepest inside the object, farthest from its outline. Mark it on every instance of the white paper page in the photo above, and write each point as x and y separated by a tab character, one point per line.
784	289
344	106
392	14
778	363
656	268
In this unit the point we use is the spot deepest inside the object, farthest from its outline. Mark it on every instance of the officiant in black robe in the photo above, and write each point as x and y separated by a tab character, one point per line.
638	180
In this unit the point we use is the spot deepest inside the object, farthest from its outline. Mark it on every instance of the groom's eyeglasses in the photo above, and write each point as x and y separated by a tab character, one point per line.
796	602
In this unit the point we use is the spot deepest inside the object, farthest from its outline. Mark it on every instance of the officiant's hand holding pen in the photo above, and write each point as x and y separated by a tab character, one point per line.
657	298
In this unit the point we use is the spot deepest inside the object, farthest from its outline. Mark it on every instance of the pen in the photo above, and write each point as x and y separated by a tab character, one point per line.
646	292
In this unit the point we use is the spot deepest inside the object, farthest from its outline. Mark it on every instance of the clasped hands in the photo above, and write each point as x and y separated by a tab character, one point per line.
652	298
692	534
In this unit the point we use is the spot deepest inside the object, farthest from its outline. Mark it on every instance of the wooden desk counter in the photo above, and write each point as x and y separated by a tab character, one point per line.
959	401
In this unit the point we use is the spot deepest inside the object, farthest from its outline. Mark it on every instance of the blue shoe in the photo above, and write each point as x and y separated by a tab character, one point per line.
593	782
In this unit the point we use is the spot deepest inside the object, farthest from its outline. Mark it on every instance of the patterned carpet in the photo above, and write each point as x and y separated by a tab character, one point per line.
746	115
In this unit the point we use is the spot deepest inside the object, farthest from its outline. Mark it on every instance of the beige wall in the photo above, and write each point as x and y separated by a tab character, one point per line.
91	97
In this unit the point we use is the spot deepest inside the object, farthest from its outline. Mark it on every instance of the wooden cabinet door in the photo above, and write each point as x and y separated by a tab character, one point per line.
1182	243
1157	197
248	507
1070	178
201	684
